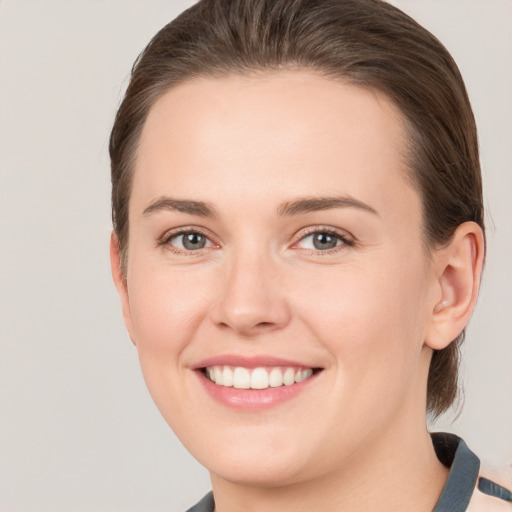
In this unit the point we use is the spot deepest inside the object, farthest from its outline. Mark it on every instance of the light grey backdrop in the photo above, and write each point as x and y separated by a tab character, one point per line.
78	430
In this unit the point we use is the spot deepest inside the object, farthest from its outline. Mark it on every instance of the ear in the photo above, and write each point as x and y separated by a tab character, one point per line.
458	270
120	282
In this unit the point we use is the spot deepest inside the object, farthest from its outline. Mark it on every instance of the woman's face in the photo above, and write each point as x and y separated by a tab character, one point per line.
274	237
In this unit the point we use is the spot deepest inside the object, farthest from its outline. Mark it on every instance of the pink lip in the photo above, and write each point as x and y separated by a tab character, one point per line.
251	399
247	362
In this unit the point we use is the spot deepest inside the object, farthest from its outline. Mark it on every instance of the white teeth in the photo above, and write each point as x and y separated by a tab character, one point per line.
289	377
299	376
217	375
241	378
227	376
258	378
276	378
303	374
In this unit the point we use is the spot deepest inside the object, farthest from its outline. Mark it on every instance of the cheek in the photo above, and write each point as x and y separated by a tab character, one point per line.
165	308
370	319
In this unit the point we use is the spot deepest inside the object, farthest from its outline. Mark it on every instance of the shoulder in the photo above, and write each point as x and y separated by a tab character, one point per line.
471	486
205	505
493	492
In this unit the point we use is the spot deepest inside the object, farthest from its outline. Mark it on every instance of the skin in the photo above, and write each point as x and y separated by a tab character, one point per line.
368	312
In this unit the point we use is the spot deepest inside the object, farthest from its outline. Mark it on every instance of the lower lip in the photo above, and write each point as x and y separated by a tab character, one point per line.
254	399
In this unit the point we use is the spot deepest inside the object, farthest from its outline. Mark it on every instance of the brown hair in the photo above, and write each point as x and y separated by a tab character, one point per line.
365	42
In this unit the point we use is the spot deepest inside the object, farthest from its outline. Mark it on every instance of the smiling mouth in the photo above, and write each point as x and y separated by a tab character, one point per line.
240	377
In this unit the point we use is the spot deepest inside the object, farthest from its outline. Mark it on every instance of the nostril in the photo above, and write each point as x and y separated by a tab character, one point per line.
264	324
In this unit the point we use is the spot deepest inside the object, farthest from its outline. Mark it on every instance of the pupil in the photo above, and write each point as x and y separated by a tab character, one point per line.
194	241
324	241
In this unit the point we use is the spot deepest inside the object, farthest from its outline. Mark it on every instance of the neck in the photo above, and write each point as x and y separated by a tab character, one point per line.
398	471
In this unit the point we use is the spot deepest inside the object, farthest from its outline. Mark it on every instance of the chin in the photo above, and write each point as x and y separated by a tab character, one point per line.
259	461
259	473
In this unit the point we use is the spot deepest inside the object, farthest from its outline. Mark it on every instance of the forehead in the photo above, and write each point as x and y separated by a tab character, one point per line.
281	134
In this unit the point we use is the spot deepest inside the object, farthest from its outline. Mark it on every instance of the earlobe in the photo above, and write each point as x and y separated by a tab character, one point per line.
458	270
120	282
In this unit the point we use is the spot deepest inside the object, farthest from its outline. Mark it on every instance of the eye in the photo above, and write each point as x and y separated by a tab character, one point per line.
323	241
186	241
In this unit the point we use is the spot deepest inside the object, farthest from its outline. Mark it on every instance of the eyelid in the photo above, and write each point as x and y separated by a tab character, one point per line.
346	238
165	239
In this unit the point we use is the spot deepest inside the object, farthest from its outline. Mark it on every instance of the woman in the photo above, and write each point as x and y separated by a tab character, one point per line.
298	244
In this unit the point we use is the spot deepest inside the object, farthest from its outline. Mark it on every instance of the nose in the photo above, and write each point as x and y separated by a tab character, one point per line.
251	299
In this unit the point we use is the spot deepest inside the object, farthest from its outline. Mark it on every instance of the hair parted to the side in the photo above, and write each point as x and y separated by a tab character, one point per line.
368	43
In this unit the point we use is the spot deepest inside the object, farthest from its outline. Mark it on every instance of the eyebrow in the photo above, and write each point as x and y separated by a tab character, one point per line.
315	204
200	208
296	207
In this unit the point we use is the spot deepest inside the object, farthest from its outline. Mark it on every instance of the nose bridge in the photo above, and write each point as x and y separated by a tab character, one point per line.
251	300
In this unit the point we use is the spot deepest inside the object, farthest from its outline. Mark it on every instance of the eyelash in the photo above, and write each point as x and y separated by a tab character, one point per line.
166	239
346	241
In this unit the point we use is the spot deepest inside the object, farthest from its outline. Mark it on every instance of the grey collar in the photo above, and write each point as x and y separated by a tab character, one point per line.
464	466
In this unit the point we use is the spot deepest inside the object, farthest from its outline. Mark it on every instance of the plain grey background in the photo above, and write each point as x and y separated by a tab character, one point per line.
78	430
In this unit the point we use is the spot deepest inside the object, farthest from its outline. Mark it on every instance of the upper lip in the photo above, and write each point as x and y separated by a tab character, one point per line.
248	361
